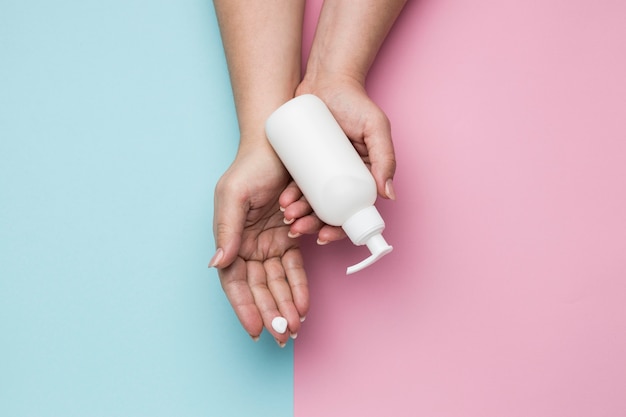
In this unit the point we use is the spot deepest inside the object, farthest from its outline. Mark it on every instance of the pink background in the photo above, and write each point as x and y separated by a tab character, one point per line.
506	292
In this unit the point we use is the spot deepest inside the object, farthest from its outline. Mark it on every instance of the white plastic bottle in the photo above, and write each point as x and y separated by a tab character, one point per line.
329	171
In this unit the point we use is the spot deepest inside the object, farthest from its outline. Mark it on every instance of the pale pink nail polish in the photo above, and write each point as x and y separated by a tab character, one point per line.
215	260
389	189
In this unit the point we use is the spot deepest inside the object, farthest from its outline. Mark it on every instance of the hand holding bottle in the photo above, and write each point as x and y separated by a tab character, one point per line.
369	131
347	39
325	165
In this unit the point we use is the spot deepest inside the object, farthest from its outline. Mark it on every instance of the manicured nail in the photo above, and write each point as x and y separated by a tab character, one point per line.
322	242
289	221
293	335
215	260
389	189
279	324
293	235
302	319
255	338
281	344
281	209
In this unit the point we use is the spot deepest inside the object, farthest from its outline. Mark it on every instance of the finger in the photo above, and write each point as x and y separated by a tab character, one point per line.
290	195
381	155
297	210
296	277
281	291
307	225
329	234
237	290
228	223
264	300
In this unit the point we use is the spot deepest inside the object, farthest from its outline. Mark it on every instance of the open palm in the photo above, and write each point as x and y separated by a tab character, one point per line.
261	268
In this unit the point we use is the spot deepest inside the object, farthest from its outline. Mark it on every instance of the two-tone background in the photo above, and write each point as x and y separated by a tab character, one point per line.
505	294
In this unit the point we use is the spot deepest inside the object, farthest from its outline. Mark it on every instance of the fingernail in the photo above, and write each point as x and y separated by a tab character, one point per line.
322	242
255	338
293	335
389	189
289	221
281	344
279	324
215	260
281	209
293	235
302	319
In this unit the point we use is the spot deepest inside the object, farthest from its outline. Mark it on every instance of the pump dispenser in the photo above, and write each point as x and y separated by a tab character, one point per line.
329	172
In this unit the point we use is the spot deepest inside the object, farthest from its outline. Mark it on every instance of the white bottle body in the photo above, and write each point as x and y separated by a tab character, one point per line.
329	171
321	159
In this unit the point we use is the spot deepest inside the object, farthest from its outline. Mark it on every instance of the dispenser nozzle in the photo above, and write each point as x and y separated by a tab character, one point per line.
378	247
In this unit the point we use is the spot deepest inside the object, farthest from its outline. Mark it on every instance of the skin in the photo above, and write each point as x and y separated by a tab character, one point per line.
348	37
259	211
259	266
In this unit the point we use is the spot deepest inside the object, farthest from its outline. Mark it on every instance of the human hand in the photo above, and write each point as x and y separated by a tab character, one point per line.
367	127
259	265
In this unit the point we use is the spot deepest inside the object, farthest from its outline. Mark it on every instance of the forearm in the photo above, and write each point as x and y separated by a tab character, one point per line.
348	36
262	42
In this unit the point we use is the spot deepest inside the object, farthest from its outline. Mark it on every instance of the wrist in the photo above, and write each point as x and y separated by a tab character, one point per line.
324	83
257	144
323	72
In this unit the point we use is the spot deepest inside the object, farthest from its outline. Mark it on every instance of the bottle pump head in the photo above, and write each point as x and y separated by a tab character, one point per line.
365	227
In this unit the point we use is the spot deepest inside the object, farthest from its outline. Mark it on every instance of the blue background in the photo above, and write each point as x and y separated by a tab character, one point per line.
116	120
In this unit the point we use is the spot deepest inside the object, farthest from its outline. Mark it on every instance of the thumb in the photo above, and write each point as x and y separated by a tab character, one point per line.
382	156
228	222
